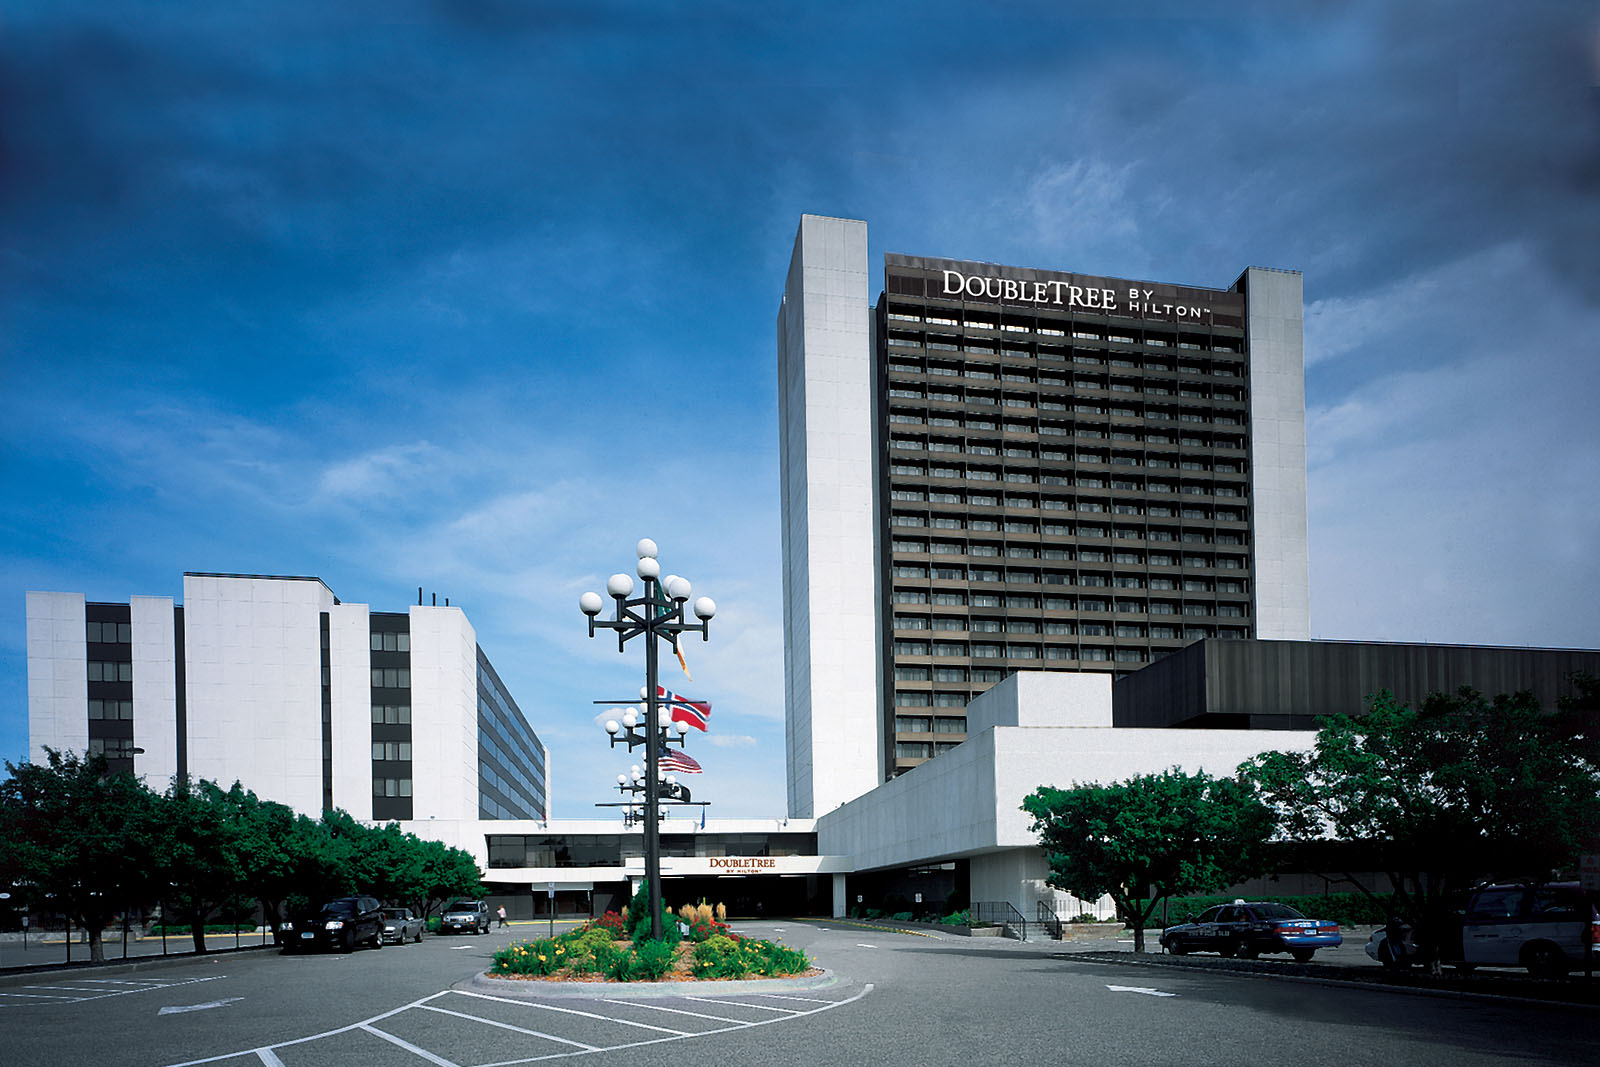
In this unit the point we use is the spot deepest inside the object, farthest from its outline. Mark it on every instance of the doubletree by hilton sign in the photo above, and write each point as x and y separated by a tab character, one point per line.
978	282
742	863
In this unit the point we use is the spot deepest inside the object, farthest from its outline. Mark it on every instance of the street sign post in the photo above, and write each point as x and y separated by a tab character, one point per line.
551	893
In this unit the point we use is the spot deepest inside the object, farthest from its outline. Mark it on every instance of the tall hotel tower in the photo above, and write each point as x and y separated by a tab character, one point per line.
999	469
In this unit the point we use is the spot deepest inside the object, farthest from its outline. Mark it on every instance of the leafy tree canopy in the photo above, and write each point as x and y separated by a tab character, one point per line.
1149	837
1459	789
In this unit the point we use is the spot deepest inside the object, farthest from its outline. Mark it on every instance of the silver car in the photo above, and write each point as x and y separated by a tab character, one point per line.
400	926
471	916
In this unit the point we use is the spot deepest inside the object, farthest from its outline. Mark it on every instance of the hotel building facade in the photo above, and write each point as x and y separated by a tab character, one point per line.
994	469
274	682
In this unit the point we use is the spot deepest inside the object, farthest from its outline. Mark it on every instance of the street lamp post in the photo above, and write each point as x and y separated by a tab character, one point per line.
658	614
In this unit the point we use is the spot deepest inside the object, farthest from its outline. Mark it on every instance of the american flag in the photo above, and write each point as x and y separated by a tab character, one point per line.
673	761
697	713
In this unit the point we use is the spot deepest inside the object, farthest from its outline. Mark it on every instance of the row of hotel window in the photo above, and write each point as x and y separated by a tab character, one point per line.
922	749
1096	430
1063	455
112	747
1084	653
391	750
111	709
1085	349
1049	327
1079	383
391	641
1083	555
1084	505
391	787
488	776
1032	476
982	625
110	633
1085	604
916	520
948	357
1088	532
926	724
1054	627
106	671
1153	413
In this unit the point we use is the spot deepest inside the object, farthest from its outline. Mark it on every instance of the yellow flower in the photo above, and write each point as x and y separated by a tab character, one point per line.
541	957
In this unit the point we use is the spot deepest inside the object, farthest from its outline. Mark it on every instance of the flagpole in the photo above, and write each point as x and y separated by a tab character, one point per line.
658	614
652	760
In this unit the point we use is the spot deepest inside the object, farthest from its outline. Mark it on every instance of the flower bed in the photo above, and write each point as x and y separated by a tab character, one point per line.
594	953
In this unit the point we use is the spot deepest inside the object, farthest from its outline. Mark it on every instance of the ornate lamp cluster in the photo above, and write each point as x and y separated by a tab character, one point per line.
659	614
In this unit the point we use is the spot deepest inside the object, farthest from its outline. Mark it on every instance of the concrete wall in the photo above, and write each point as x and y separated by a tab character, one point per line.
825	448
350	677
444	713
155	689
1043	698
1275	325
58	674
253	658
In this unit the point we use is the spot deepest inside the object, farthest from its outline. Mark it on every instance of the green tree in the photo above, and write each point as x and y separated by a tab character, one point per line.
1150	837
1444	795
78	838
447	873
204	852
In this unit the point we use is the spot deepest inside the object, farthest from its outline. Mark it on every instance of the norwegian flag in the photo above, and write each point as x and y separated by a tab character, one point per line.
673	761
697	713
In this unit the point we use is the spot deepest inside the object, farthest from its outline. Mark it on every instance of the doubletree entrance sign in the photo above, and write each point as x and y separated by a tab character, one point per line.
742	863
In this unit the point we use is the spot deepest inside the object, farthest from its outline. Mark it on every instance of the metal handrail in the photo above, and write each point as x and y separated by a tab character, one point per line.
1046	916
1001	913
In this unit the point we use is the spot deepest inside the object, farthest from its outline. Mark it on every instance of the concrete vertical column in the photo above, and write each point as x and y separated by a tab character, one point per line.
841	905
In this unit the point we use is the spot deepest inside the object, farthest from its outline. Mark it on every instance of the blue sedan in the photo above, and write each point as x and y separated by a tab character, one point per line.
1247	929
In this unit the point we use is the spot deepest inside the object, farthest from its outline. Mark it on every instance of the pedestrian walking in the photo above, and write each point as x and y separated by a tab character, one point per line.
502	915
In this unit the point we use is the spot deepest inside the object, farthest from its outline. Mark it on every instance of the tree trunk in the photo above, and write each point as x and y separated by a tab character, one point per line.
1138	937
97	946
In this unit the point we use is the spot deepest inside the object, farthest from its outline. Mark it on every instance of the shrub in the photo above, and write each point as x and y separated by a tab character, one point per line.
611	921
542	957
638	922
651	960
901	916
780	959
1087	917
705	929
720	957
595	955
956	918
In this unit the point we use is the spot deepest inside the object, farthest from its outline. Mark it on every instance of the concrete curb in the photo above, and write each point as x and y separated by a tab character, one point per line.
1375	984
521	990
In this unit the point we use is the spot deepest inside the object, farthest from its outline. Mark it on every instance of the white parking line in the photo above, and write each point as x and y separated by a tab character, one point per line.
409	1047
860	945
740	1004
73	994
802	1000
268	1057
572	1011
675	1011
508	1026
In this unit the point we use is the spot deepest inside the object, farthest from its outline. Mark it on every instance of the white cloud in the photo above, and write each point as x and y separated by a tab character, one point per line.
731	740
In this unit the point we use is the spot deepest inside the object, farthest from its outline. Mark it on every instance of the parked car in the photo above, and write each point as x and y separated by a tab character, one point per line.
1549	929
468	915
1247	929
400	926
340	924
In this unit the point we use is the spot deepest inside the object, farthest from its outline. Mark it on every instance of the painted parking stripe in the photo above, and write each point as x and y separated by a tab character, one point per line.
675	1011
802	1000
739	1004
41	996
409	1047
268	1058
574	1011
508	1026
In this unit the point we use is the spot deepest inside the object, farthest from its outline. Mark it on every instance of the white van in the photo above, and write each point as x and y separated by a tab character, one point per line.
1549	929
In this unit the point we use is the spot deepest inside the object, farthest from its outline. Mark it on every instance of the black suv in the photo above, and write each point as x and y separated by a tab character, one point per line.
341	924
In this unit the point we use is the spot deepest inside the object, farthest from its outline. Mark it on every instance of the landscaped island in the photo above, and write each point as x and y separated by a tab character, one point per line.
611	948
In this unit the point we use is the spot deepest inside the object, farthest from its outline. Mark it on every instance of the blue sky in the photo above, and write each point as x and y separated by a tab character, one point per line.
472	295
